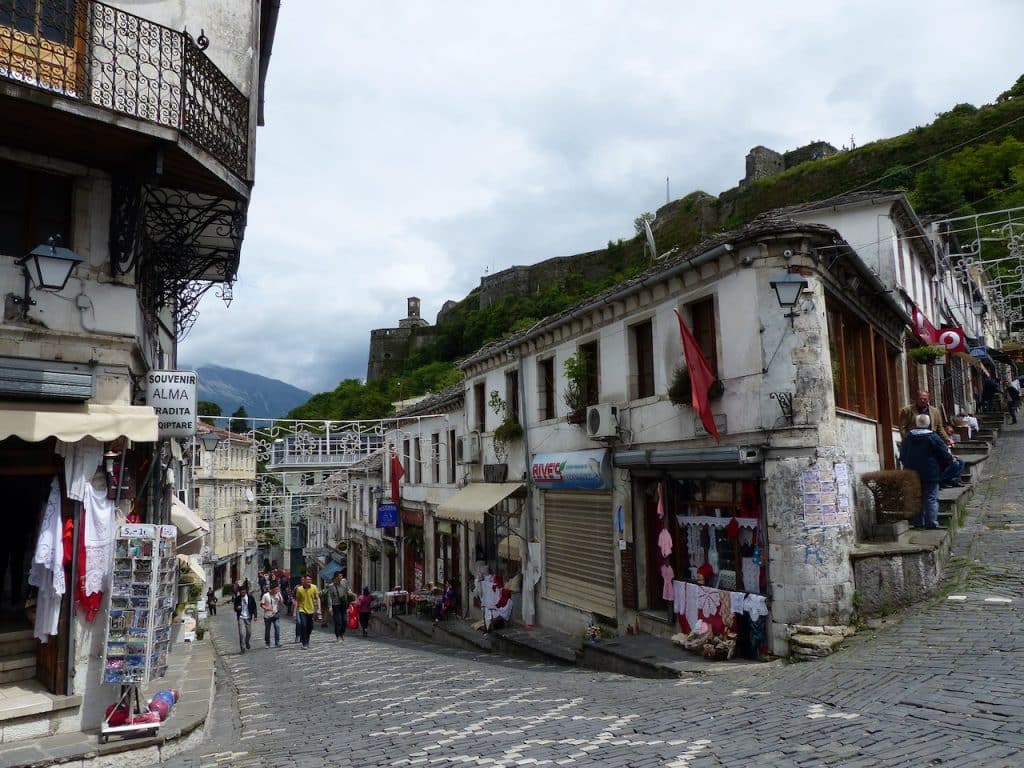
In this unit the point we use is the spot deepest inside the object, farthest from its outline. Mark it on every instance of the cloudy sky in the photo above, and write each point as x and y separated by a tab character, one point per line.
412	146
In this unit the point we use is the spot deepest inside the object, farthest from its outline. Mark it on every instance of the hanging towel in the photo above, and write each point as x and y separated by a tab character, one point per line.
708	602
80	462
47	572
667	574
95	551
661	501
679	597
738	600
756	606
665	542
713	549
751	575
691	603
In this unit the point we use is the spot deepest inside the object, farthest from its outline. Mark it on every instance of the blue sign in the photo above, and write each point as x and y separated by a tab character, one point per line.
585	470
387	515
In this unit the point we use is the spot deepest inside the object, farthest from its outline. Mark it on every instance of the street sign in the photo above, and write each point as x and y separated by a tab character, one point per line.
387	515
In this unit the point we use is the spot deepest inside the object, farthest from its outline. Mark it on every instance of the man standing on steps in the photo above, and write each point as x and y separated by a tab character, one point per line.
307	603
245	611
926	453
919	406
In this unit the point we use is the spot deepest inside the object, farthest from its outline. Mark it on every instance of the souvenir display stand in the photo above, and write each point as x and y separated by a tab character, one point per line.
143	588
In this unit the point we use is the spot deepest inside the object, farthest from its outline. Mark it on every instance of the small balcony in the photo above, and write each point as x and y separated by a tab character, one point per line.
99	57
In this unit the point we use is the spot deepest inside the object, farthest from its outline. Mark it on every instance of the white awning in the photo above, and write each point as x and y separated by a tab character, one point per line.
191	528
34	422
471	503
193	564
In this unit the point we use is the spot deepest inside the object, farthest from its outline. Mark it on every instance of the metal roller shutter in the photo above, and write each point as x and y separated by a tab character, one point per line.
579	553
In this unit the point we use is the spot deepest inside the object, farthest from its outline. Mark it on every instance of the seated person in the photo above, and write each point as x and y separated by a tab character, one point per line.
444	602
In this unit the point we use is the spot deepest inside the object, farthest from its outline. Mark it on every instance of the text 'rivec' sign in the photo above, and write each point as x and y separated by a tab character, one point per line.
172	394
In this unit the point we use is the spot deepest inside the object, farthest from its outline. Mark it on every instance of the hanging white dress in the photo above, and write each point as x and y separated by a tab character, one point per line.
47	572
99	538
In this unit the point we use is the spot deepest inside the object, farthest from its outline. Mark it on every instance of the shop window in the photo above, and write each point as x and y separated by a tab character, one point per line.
851	351
702	317
641	360
512	395
546	388
479	407
591	372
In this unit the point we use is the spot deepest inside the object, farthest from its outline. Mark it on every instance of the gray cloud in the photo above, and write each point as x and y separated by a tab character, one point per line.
410	147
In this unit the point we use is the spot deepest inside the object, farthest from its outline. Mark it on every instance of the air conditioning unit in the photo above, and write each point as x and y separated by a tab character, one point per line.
602	420
467	450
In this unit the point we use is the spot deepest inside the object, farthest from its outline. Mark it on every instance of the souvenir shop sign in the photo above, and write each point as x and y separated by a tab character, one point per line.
172	394
387	515
582	470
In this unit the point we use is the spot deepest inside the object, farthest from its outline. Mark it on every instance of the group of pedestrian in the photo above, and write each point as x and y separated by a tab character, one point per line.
926	450
277	600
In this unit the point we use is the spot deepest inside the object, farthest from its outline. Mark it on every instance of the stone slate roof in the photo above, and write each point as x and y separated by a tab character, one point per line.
437	402
756	229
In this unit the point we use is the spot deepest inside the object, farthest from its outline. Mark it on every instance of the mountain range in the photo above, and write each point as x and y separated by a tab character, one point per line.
262	397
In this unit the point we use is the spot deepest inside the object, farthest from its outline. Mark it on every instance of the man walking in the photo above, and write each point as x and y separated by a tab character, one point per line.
271	605
245	610
307	603
925	452
1013	397
337	599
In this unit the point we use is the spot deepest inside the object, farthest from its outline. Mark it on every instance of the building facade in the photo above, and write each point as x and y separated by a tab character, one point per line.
135	178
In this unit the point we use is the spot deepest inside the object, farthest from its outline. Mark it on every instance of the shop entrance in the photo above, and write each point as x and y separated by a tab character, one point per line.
26	471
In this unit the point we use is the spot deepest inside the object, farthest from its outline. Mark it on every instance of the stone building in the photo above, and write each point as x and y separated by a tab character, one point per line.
390	347
127	156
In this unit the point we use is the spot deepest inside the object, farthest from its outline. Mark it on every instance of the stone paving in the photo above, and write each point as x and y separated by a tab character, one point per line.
941	685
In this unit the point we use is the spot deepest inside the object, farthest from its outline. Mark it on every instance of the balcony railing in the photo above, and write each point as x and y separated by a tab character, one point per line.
101	55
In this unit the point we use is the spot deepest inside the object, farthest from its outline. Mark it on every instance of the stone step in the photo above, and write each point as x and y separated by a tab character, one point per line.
16	643
16	668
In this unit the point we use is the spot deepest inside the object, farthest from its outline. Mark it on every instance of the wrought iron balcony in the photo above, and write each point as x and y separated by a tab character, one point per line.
100	55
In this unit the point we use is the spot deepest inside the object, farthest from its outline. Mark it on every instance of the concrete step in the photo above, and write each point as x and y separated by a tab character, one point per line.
16	668
15	643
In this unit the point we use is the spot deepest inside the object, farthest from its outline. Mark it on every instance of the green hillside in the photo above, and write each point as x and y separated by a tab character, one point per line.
969	160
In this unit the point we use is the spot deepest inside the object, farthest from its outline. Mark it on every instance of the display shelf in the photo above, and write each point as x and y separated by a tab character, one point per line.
142	594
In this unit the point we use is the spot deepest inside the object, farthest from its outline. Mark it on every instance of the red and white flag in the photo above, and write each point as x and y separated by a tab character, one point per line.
701	377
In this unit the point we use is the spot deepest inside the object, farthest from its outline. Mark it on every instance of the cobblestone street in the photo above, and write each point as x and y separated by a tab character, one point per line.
941	686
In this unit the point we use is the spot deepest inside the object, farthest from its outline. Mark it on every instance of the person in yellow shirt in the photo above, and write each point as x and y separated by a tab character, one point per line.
307	603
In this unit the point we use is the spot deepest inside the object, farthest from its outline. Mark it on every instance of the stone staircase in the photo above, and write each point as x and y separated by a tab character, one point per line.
17	656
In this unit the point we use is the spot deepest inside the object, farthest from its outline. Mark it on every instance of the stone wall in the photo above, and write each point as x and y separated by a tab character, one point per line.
763	162
390	348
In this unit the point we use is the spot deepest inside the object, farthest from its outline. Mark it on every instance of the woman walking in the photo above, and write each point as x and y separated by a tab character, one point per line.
363	605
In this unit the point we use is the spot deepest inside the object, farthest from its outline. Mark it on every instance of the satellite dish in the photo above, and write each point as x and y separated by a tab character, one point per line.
650	240
249	495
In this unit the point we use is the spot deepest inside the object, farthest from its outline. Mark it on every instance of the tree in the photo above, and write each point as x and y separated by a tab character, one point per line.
638	222
239	420
207	411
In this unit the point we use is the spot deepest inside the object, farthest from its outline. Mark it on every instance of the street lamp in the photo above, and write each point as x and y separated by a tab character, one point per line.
210	441
788	286
47	267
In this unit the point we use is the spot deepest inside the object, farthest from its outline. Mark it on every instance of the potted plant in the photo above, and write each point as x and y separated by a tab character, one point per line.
575	394
928	354
373	553
508	430
680	391
390	550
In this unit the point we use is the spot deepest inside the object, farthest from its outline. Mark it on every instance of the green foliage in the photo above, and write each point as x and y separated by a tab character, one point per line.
575	392
207	410
926	354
